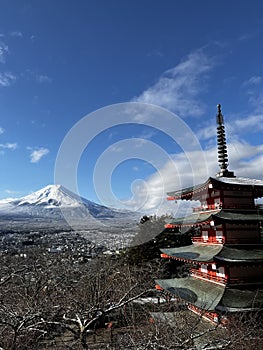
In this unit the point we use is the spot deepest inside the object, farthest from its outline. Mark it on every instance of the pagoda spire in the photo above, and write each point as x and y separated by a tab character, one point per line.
221	146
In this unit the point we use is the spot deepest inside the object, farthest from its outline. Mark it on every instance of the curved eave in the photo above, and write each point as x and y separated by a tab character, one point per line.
236	255
203	253
235	216
236	309
188	192
235	300
196	252
196	219
212	297
218	216
240	261
202	294
175	225
218	183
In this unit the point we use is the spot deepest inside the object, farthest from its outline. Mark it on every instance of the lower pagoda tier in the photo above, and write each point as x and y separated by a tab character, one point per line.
221	264
212	297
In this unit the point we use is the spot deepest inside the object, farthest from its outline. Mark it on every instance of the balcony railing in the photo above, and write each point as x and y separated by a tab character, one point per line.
210	316
208	276
213	239
206	207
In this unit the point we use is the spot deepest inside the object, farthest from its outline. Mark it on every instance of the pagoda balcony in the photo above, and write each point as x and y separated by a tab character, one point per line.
212	317
208	277
213	240
207	207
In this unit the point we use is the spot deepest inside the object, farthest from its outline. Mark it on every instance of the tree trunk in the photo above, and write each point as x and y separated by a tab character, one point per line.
13	346
83	340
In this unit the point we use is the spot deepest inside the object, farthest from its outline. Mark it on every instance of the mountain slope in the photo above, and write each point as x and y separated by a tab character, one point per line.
56	203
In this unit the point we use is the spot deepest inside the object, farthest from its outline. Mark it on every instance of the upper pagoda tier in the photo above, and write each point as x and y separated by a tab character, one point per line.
250	187
225	190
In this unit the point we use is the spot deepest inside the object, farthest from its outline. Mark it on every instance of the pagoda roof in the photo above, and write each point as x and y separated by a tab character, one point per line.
241	300
188	191
245	181
236	215
203	294
208	253
198	218
218	182
195	252
210	296
229	254
193	219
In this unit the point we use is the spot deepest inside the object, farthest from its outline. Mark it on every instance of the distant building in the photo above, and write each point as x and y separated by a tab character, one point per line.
226	256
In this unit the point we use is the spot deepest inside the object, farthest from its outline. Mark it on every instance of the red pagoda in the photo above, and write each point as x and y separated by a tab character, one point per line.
226	255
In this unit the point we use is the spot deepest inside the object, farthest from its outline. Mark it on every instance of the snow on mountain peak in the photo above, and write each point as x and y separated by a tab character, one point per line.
52	196
56	205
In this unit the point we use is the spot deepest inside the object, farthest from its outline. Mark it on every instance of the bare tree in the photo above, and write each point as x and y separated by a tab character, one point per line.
53	301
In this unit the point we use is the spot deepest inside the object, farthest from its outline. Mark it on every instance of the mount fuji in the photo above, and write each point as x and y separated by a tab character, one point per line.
57	207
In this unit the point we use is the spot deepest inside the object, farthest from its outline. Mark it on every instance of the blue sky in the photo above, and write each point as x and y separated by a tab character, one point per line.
62	60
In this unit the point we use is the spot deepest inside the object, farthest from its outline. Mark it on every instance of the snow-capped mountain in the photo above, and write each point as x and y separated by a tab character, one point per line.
49	196
55	203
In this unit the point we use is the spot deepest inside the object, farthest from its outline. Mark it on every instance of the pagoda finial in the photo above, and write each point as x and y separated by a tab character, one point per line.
221	145
219	116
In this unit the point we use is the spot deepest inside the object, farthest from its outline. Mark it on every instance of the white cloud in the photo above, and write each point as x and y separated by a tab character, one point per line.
2	130
246	160
39	78
245	36
206	133
178	88
3	52
256	100
254	91
254	80
252	123
146	135
11	146
6	79
17	34
140	142
116	149
36	155
11	192
150	195
43	79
